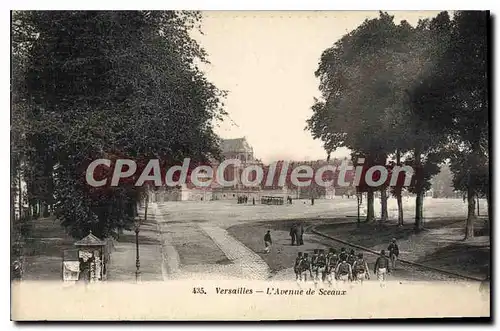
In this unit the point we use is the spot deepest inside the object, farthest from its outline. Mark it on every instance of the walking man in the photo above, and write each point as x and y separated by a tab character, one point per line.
305	267
331	265
321	266
268	241
381	268
393	252
293	234
360	269
344	271
300	234
342	255
297	266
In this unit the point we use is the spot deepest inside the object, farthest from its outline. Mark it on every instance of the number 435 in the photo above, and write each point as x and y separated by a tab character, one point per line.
199	290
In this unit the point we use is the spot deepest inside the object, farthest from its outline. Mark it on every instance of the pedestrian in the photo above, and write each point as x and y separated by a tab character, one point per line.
393	252
360	269
342	255
300	234
344	271
297	265
305	267
321	266
253	201
381	268
332	261
268	241
351	258
293	234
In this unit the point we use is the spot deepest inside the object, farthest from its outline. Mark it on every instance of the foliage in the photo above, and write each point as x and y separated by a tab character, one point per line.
98	83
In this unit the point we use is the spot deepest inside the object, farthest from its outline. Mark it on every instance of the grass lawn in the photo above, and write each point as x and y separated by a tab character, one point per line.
43	250
373	234
195	246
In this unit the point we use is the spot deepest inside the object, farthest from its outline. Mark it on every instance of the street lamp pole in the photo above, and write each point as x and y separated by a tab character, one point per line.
137	261
138	223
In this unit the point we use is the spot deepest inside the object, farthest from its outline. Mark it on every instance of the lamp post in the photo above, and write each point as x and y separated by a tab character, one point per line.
137	260
137	229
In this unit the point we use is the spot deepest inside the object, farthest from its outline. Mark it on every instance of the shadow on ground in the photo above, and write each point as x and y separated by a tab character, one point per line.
461	256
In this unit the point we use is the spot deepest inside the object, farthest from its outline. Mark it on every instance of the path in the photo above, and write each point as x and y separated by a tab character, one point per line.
123	257
204	262
250	264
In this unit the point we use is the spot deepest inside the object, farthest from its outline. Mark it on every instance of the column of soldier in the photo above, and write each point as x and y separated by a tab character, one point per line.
330	267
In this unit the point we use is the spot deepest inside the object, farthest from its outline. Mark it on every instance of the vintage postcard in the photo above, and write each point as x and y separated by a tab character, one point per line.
232	165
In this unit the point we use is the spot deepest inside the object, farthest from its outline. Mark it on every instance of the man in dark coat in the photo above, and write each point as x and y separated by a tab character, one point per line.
300	234
268	241
393	252
293	234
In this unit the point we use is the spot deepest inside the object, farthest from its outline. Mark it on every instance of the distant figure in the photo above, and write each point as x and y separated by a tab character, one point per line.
351	257
305	267
297	265
312	201
300	234
253	201
344	271
332	261
268	241
319	267
293	234
381	268
360	269
393	252
343	254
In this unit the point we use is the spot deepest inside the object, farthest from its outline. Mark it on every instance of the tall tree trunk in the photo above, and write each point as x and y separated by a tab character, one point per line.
34	209
399	191
399	199
471	205
20	198
478	213
360	201
370	211
383	204
419	200
45	211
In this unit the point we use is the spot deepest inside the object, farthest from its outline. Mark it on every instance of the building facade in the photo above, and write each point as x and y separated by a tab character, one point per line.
239	149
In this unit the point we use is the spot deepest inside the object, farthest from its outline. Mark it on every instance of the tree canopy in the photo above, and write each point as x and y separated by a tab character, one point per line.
93	84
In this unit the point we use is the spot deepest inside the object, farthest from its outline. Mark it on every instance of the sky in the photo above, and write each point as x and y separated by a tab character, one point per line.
266	62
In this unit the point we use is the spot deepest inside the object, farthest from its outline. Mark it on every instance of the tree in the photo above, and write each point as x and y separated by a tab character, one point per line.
365	78
454	99
113	83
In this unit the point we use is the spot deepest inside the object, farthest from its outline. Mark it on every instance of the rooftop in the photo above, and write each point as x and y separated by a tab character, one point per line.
90	240
235	145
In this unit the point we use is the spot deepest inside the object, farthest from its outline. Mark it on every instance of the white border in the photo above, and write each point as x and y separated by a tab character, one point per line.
192	4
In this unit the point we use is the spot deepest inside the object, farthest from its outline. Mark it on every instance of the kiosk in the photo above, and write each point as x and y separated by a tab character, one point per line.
92	258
